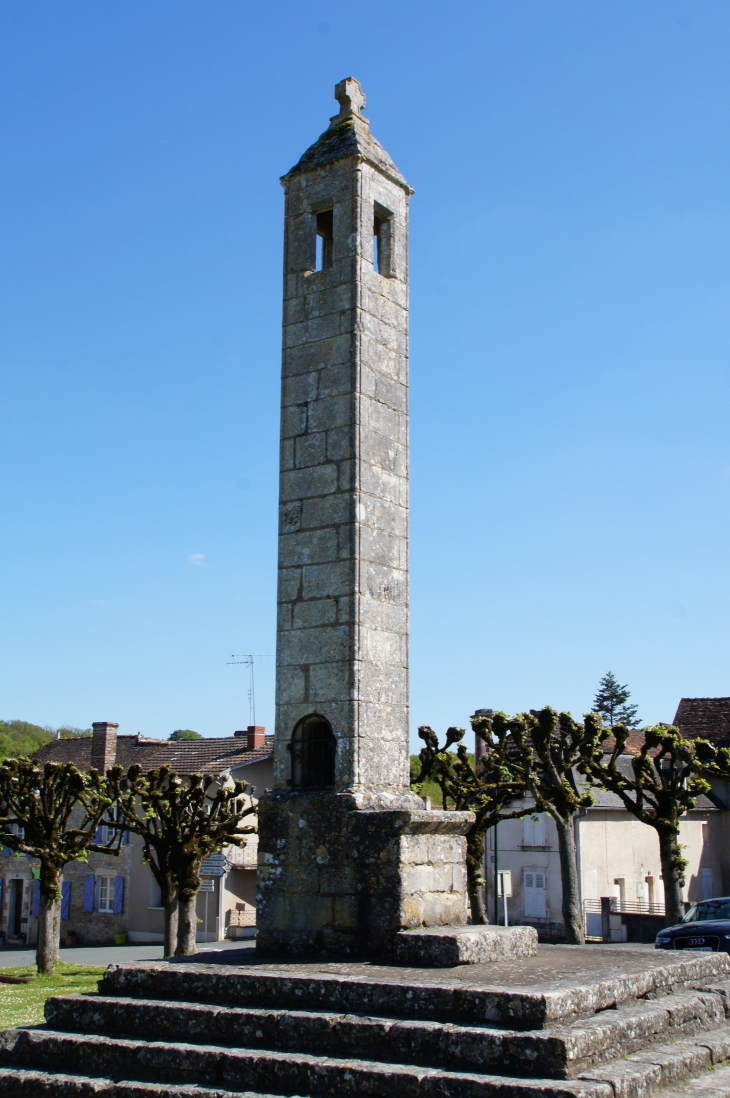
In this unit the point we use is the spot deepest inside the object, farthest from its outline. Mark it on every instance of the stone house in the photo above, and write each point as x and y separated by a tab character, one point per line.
617	855
112	895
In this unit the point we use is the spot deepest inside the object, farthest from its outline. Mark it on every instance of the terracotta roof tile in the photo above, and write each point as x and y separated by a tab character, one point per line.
708	718
184	756
634	743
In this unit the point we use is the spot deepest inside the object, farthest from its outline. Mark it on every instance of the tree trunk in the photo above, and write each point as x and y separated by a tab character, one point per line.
49	921
475	878
187	924
672	876
170	903
572	914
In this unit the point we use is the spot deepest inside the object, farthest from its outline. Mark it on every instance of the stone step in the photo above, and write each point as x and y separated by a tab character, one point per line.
662	1066
715	1085
37	1061
251	1070
464	999
25	1083
557	1054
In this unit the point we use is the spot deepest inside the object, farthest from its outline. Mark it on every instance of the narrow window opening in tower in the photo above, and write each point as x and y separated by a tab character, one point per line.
382	242
313	747
324	240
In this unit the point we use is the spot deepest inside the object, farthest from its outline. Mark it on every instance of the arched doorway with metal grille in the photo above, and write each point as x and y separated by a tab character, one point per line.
313	746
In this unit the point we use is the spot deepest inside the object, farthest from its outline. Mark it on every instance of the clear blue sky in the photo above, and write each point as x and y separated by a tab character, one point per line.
570	277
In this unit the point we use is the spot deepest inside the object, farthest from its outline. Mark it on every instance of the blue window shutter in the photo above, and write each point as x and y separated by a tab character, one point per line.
89	888
118	895
125	837
36	898
7	851
66	900
97	835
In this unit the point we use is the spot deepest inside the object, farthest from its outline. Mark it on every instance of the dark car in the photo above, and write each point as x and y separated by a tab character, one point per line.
705	928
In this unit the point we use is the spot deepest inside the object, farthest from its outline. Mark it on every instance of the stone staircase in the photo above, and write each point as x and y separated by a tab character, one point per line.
645	1023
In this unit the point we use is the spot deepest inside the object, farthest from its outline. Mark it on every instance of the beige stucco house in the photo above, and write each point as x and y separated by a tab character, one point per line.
617	855
117	895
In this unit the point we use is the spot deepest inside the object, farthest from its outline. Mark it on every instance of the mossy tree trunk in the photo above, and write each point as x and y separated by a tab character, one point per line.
572	914
672	875
475	878
170	903
187	925
49	920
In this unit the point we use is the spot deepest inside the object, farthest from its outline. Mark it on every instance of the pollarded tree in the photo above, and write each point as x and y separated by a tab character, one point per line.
544	748
484	786
182	821
51	811
657	786
612	703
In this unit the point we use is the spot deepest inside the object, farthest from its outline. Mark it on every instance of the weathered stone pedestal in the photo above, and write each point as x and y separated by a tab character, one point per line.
355	877
443	947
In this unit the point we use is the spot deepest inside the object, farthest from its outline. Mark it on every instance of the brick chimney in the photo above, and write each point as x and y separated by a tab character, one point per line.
104	745
255	734
480	748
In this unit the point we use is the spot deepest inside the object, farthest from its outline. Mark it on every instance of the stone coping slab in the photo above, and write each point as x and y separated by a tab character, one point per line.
560	983
446	946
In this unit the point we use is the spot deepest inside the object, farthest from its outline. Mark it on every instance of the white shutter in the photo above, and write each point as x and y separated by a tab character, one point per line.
533	833
533	894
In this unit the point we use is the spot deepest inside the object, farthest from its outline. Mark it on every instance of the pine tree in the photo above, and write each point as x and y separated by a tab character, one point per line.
612	702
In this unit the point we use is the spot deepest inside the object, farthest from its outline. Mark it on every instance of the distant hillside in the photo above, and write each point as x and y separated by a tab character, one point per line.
23	738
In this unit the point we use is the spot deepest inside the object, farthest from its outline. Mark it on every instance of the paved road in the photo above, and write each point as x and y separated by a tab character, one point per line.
106	955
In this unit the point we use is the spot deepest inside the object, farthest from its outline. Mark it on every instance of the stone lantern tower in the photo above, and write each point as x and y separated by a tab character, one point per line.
347	855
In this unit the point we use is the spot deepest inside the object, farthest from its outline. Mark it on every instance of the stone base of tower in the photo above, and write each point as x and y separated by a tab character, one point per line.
337	877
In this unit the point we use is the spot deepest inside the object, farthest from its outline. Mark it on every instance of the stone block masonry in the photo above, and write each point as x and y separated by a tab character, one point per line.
343	541
342	861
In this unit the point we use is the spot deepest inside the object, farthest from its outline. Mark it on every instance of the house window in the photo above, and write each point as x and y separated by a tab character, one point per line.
382	241
313	747
324	241
706	879
533	829
105	886
533	894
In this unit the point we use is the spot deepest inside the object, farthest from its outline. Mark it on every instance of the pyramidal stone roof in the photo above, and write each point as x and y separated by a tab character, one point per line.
348	134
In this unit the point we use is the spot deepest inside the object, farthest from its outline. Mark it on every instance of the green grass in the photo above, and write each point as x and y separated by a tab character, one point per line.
22	1004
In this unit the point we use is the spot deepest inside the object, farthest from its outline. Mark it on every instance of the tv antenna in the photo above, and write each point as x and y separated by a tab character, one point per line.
251	692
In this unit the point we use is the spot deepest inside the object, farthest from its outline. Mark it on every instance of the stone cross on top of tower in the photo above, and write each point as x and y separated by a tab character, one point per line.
351	98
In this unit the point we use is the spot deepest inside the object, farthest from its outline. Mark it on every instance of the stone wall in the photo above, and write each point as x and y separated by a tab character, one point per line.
343	542
354	878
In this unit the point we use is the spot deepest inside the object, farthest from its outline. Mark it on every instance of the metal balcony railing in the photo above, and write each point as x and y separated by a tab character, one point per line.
625	907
